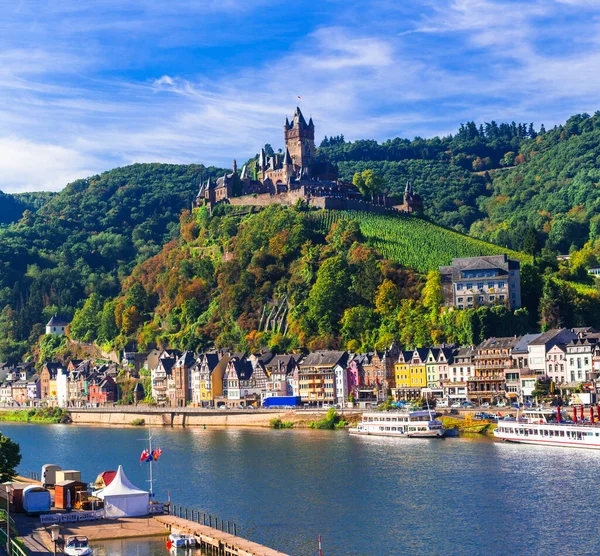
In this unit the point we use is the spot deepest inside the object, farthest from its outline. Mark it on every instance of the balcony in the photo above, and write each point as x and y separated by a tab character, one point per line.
492	378
485	363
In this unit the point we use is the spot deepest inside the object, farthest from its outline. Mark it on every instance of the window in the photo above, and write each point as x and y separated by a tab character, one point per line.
460	299
501	284
501	297
459	286
490	285
479	285
469	299
571	361
579	362
481	298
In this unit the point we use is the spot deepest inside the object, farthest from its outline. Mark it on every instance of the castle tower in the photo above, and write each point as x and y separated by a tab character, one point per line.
300	140
234	166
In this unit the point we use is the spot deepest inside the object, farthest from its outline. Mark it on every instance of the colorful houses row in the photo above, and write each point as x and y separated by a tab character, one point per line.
217	378
77	384
501	368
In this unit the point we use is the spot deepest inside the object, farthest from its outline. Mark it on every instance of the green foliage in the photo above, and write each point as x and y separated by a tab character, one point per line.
277	423
50	346
138	422
10	458
329	422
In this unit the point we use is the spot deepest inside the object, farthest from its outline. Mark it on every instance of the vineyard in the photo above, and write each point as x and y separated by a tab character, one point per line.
411	241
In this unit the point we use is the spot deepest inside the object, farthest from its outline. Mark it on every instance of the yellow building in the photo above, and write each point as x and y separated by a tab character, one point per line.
411	374
209	384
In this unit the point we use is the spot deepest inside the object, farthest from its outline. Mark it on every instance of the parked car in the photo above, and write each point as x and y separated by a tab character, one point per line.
485	404
501	404
456	405
467	404
480	415
327	406
442	403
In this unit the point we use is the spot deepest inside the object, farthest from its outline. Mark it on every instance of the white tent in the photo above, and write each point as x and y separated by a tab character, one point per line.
123	499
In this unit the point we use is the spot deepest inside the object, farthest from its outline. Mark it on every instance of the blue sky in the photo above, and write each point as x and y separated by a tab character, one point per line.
87	86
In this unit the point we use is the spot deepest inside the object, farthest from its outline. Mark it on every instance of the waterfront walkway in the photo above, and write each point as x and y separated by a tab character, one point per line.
219	541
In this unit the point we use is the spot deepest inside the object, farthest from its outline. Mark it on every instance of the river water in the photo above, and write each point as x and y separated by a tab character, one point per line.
364	495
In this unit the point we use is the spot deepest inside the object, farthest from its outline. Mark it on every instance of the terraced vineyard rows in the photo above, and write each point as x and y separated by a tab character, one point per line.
411	241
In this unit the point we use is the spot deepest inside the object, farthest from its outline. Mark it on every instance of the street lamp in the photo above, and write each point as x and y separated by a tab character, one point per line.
54	534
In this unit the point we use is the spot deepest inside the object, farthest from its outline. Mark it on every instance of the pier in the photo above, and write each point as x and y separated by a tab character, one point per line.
215	541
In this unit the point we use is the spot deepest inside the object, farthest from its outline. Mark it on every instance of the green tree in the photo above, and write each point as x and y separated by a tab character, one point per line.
432	293
329	295
87	320
10	458
357	324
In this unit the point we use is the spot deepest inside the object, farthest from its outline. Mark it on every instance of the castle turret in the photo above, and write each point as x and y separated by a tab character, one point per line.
234	166
300	140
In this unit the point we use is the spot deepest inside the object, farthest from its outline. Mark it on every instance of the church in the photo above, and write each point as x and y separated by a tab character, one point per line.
296	173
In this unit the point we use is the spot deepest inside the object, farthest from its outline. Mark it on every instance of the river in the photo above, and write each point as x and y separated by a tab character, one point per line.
364	495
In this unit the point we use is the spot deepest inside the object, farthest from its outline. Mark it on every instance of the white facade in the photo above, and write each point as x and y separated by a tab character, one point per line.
62	387
556	364
536	358
579	362
341	384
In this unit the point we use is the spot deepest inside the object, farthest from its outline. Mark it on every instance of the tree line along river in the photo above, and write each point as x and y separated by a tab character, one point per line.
364	495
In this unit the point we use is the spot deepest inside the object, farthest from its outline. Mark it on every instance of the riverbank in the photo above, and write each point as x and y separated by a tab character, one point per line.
194	417
42	416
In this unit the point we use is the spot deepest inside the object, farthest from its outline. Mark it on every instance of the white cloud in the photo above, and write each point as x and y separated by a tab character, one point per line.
29	166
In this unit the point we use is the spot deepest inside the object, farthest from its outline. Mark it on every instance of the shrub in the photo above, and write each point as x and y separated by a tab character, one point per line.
138	422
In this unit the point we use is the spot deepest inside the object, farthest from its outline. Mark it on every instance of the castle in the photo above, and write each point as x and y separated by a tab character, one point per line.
297	173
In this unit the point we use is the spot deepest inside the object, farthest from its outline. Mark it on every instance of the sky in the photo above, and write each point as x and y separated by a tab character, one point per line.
89	86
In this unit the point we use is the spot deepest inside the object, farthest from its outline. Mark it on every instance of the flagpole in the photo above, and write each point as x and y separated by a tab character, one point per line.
151	461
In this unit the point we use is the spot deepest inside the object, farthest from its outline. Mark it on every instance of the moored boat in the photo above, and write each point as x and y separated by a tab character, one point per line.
77	545
406	423
179	540
550	427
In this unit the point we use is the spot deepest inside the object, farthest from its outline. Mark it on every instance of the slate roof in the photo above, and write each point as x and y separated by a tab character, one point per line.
57	321
501	262
325	358
554	336
524	341
500	343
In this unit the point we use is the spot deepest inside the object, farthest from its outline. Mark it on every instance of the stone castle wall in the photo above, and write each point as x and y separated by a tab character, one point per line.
290	198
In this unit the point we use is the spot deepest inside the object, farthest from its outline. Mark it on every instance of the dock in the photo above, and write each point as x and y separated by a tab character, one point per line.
215	541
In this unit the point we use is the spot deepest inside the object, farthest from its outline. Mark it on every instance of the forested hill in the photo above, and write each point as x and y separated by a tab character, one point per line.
499	182
87	238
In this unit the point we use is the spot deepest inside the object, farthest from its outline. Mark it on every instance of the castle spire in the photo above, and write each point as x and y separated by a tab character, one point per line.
287	159
299	118
234	166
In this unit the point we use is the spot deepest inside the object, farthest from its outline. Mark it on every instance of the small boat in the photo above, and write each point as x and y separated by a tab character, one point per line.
406	423
77	546
179	540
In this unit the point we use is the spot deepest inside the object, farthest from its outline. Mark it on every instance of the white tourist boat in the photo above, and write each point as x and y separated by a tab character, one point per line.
411	424
77	545
548	428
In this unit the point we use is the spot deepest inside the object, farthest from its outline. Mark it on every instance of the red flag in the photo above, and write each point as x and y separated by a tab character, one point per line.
144	456
157	453
299	97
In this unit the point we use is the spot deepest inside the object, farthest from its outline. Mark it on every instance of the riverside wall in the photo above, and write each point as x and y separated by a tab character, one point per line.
198	418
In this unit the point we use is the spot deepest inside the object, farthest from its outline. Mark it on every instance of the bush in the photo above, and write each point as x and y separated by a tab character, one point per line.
277	423
138	422
328	423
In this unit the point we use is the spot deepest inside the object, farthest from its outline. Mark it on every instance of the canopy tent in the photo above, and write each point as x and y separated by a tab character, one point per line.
122	498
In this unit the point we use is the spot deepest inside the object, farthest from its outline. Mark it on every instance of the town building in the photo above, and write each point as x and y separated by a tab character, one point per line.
57	325
556	364
539	347
579	353
210	376
160	376
493	358
182	374
317	376
476	281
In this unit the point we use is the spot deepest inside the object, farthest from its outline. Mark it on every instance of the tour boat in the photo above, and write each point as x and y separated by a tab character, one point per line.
550	427
178	540
410	424
77	546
